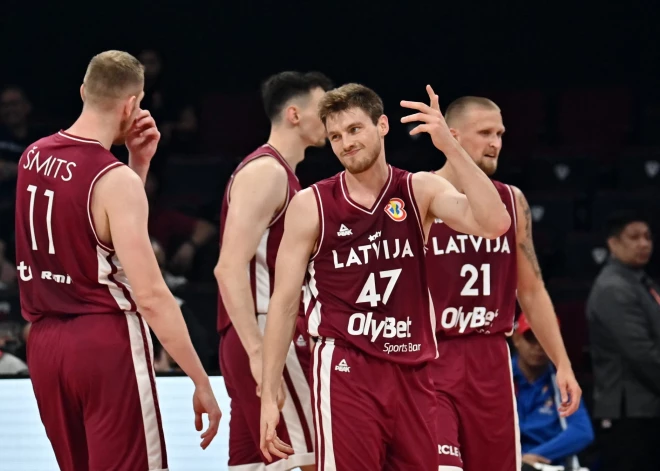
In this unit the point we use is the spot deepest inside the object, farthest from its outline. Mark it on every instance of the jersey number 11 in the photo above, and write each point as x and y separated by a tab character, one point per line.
49	214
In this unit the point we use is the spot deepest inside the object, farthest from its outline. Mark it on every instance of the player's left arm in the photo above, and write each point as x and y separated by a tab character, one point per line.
539	311
481	213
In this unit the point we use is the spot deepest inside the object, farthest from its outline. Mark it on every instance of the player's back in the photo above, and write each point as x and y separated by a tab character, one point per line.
366	283
473	280
64	269
262	265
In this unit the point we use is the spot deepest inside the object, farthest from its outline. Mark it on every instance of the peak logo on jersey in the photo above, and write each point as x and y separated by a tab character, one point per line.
344	231
343	367
394	209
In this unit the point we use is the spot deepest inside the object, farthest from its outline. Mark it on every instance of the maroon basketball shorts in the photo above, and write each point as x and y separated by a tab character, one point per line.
371	414
296	425
477	420
95	388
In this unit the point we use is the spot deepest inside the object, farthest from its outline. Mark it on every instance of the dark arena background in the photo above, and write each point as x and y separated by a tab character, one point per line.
577	83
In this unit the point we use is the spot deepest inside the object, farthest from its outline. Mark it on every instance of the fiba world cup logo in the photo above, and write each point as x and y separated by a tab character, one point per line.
394	209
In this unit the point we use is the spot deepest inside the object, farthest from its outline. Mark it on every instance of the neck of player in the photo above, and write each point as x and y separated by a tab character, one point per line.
289	145
447	172
365	187
95	126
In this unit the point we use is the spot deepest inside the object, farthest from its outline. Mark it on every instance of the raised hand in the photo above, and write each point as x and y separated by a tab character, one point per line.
142	139
433	122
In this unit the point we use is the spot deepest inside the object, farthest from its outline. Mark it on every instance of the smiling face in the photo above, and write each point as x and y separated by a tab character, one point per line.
479	131
356	140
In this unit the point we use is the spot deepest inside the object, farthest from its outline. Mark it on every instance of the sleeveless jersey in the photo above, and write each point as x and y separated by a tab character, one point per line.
473	280
366	281
63	268
262	266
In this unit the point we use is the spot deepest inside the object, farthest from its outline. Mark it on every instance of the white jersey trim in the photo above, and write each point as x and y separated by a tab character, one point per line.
77	139
377	204
321	221
262	275
513	208
89	202
414	205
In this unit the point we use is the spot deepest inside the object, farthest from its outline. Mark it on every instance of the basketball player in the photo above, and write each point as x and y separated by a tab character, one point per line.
473	283
89	282
253	208
360	235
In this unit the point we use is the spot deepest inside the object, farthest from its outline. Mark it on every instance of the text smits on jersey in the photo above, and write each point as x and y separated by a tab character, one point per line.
50	166
458	318
388	328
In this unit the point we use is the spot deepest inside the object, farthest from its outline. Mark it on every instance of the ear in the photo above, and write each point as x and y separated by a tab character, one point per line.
129	107
383	126
82	92
454	132
612	244
292	114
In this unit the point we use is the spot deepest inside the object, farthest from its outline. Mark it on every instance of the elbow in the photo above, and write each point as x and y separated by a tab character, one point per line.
153	300
498	225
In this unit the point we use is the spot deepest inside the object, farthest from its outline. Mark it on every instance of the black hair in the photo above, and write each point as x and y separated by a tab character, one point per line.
619	220
278	89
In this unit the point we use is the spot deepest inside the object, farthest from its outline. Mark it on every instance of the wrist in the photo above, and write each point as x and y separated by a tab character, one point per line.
255	351
201	380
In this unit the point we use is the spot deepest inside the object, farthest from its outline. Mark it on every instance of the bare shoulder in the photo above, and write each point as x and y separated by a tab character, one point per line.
264	168
304	202
119	183
522	206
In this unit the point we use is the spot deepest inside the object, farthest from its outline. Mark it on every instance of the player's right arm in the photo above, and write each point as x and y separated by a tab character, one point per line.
301	230
257	192
120	195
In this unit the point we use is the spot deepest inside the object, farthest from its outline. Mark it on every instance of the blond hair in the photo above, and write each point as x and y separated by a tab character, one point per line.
458	107
113	75
348	96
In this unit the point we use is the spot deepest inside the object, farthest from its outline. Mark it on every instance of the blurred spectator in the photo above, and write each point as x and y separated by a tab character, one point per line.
162	360
16	133
623	312
10	343
7	269
545	436
180	235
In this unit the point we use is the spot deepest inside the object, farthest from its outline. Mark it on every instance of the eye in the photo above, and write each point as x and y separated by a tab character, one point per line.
354	129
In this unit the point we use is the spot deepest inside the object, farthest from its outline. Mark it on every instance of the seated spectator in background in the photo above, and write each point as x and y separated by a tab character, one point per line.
545	436
179	235
198	336
10	342
7	269
16	133
623	312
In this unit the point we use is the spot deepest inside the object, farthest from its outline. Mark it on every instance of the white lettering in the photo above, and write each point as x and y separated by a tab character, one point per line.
337	264
33	162
388	328
353	258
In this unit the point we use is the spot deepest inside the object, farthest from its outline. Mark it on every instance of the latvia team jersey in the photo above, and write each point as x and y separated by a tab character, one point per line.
473	280
63	268
262	266
366	282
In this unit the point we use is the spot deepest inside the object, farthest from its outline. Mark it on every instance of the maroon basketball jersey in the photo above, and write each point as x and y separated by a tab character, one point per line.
63	267
366	282
262	266
473	280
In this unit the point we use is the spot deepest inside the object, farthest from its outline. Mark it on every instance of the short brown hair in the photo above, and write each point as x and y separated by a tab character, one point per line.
457	107
112	75
348	96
